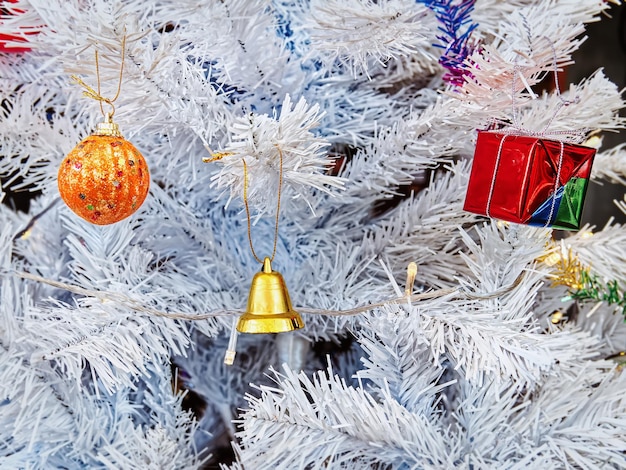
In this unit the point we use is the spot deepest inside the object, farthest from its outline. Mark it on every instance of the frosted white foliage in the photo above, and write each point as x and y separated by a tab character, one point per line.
540	421
501	340
581	113
30	142
164	440
397	153
604	251
348	118
99	370
611	165
535	40
491	12
117	348
20	22
398	237
322	418
411	378
339	426
261	140
58	423
603	321
357	31
153	447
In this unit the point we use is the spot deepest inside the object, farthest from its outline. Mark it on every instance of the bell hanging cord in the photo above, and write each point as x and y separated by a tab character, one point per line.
247	205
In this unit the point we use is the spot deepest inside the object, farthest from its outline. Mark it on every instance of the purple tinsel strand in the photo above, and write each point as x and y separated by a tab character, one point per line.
457	46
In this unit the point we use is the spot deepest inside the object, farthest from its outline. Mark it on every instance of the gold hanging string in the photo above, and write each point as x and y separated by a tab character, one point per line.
95	94
247	205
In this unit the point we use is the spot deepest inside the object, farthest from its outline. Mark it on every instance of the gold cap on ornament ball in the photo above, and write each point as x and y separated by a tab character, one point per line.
108	128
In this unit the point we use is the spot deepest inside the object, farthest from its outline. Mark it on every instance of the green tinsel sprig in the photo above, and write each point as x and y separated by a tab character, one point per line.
590	287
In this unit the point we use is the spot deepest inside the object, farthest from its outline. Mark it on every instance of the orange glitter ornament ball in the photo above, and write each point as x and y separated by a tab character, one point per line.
104	179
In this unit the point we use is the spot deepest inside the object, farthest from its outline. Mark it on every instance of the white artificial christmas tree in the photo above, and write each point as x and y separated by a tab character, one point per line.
112	338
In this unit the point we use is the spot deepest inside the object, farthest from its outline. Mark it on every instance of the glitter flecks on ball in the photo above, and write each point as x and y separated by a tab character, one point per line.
104	179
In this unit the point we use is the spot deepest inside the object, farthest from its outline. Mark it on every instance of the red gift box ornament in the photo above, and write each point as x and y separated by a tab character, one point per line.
529	180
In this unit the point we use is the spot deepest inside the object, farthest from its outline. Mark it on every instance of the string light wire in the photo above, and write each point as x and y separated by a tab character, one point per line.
125	301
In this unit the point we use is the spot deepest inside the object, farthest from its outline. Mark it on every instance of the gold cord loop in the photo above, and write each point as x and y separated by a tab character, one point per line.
95	94
246	204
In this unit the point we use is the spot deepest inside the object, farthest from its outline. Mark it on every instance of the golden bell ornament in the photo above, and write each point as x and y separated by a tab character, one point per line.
269	306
